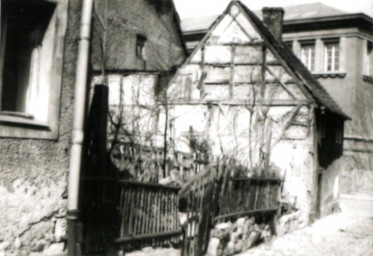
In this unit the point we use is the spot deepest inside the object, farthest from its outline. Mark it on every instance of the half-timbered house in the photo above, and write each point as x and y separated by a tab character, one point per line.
246	95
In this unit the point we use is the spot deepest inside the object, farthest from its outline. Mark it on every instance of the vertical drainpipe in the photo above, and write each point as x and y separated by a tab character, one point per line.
78	124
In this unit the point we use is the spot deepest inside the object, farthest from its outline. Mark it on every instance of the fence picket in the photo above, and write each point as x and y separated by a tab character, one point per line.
146	212
151	210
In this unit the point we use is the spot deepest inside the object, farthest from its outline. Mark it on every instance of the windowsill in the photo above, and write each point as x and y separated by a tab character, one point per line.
368	78
329	75
16	114
21	120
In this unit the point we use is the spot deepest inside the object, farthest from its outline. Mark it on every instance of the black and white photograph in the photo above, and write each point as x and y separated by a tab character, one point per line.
186	128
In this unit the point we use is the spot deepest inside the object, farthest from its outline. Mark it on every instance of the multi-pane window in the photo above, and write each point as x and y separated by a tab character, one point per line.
331	56
308	55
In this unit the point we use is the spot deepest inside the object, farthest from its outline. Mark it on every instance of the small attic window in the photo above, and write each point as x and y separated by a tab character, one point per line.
140	44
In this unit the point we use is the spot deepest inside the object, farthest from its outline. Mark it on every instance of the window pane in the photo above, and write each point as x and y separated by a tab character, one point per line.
332	56
308	56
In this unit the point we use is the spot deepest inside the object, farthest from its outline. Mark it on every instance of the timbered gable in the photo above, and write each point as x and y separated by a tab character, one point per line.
233	61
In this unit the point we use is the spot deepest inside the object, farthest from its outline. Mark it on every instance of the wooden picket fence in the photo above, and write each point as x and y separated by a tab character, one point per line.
149	215
248	196
215	196
149	212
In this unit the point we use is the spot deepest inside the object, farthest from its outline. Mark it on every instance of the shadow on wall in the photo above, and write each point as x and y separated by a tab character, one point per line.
336	181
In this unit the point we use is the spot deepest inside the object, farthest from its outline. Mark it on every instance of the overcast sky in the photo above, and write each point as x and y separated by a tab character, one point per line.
196	8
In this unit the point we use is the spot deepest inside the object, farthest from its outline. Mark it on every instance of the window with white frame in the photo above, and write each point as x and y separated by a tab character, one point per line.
308	55
369	59
32	37
27	45
331	55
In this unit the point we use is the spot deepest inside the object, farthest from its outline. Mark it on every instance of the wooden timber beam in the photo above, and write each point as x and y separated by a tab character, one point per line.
201	81
240	26
135	238
281	83
263	67
253	44
236	102
148	185
287	125
200	85
243	213
258	179
231	73
227	64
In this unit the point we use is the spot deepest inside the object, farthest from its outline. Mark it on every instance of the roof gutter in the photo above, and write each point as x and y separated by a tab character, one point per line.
78	125
341	17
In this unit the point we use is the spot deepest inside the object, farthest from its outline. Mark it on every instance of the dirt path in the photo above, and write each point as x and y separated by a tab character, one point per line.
344	234
339	234
335	235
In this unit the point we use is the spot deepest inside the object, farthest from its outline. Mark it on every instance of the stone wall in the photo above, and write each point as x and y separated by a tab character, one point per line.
33	173
231	238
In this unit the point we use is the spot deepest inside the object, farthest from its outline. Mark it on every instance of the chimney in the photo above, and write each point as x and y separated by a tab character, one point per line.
273	18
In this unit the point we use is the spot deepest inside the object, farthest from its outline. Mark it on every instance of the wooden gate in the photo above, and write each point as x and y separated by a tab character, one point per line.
199	194
215	196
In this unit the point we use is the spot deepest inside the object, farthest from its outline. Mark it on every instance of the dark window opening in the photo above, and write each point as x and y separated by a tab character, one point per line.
369	63
330	145
140	45
23	28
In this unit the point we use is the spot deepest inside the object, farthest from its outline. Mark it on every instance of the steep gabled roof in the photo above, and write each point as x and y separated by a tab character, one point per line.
316	90
314	87
197	23
311	10
179	30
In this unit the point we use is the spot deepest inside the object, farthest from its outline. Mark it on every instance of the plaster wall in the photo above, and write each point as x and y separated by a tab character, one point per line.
33	172
117	25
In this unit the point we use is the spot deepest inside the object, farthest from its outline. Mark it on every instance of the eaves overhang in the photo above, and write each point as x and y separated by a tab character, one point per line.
340	20
359	20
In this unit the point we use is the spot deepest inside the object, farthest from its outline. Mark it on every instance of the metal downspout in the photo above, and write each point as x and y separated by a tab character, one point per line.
78	126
